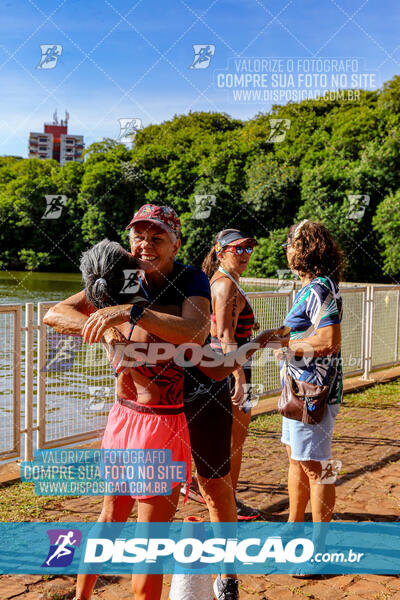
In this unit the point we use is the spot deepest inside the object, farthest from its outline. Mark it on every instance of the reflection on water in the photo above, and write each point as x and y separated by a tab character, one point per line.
25	286
78	395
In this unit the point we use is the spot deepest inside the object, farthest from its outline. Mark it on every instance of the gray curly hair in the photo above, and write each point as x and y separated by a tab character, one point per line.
102	268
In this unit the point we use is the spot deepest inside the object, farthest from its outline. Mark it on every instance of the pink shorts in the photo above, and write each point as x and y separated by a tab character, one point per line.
128	429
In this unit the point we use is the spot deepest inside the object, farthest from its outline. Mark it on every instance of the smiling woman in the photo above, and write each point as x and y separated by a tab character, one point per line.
155	241
155	238
136	421
140	418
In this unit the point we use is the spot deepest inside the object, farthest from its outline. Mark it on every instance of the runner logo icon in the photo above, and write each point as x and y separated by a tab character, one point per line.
54	206
62	547
62	351
202	55
50	55
279	128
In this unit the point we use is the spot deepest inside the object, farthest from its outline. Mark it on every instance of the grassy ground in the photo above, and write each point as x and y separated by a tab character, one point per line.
18	502
380	396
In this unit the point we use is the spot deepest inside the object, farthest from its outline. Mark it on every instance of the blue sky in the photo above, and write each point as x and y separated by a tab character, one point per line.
131	59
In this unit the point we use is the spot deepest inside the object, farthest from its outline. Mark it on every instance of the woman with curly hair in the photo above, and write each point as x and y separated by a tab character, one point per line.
314	356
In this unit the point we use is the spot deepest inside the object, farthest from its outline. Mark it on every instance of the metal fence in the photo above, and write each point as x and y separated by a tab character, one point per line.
10	388
75	387
385	326
55	390
270	309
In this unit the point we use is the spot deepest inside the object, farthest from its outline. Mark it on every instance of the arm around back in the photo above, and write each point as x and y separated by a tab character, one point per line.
69	316
192	326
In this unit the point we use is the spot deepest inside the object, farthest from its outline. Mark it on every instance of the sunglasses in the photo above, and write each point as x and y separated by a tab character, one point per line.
285	246
238	250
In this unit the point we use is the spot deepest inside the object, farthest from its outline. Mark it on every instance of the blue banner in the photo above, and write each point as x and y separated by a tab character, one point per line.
247	548
86	472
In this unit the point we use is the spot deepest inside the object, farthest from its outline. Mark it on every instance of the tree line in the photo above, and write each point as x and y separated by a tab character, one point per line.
336	161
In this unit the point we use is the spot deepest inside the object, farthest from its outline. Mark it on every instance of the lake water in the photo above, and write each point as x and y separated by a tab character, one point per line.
22	286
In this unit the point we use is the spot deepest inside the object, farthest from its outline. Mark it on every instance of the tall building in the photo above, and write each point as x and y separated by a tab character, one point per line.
55	142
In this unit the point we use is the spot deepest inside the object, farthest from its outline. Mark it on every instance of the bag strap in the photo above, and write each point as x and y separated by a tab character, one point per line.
313	327
331	378
331	371
227	274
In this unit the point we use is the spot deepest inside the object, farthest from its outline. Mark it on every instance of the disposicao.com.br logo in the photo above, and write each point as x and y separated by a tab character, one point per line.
193	550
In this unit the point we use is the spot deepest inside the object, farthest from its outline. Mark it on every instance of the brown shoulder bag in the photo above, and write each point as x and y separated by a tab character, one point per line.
303	401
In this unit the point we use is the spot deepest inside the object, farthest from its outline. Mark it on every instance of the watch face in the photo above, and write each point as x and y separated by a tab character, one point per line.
139	301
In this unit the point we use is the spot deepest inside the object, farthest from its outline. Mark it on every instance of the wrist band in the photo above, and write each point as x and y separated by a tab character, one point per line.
134	315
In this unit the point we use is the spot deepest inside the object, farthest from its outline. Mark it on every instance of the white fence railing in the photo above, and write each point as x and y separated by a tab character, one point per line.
56	391
10	382
75	387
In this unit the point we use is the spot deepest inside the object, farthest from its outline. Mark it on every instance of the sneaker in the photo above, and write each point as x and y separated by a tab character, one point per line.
246	513
226	588
194	492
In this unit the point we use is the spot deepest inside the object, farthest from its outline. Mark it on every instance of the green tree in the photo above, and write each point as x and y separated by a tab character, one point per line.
22	206
206	217
268	256
332	151
272	194
106	197
386	223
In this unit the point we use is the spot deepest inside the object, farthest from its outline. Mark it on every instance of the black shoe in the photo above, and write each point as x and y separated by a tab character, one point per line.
246	513
226	588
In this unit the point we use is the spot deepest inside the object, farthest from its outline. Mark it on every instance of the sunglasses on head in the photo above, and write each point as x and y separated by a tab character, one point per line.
285	246
238	250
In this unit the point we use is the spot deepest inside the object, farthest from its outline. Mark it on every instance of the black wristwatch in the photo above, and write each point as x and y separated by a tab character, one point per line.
135	313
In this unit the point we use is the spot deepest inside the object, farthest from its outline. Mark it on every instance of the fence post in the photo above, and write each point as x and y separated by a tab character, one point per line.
28	429
397	327
368	332
41	377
